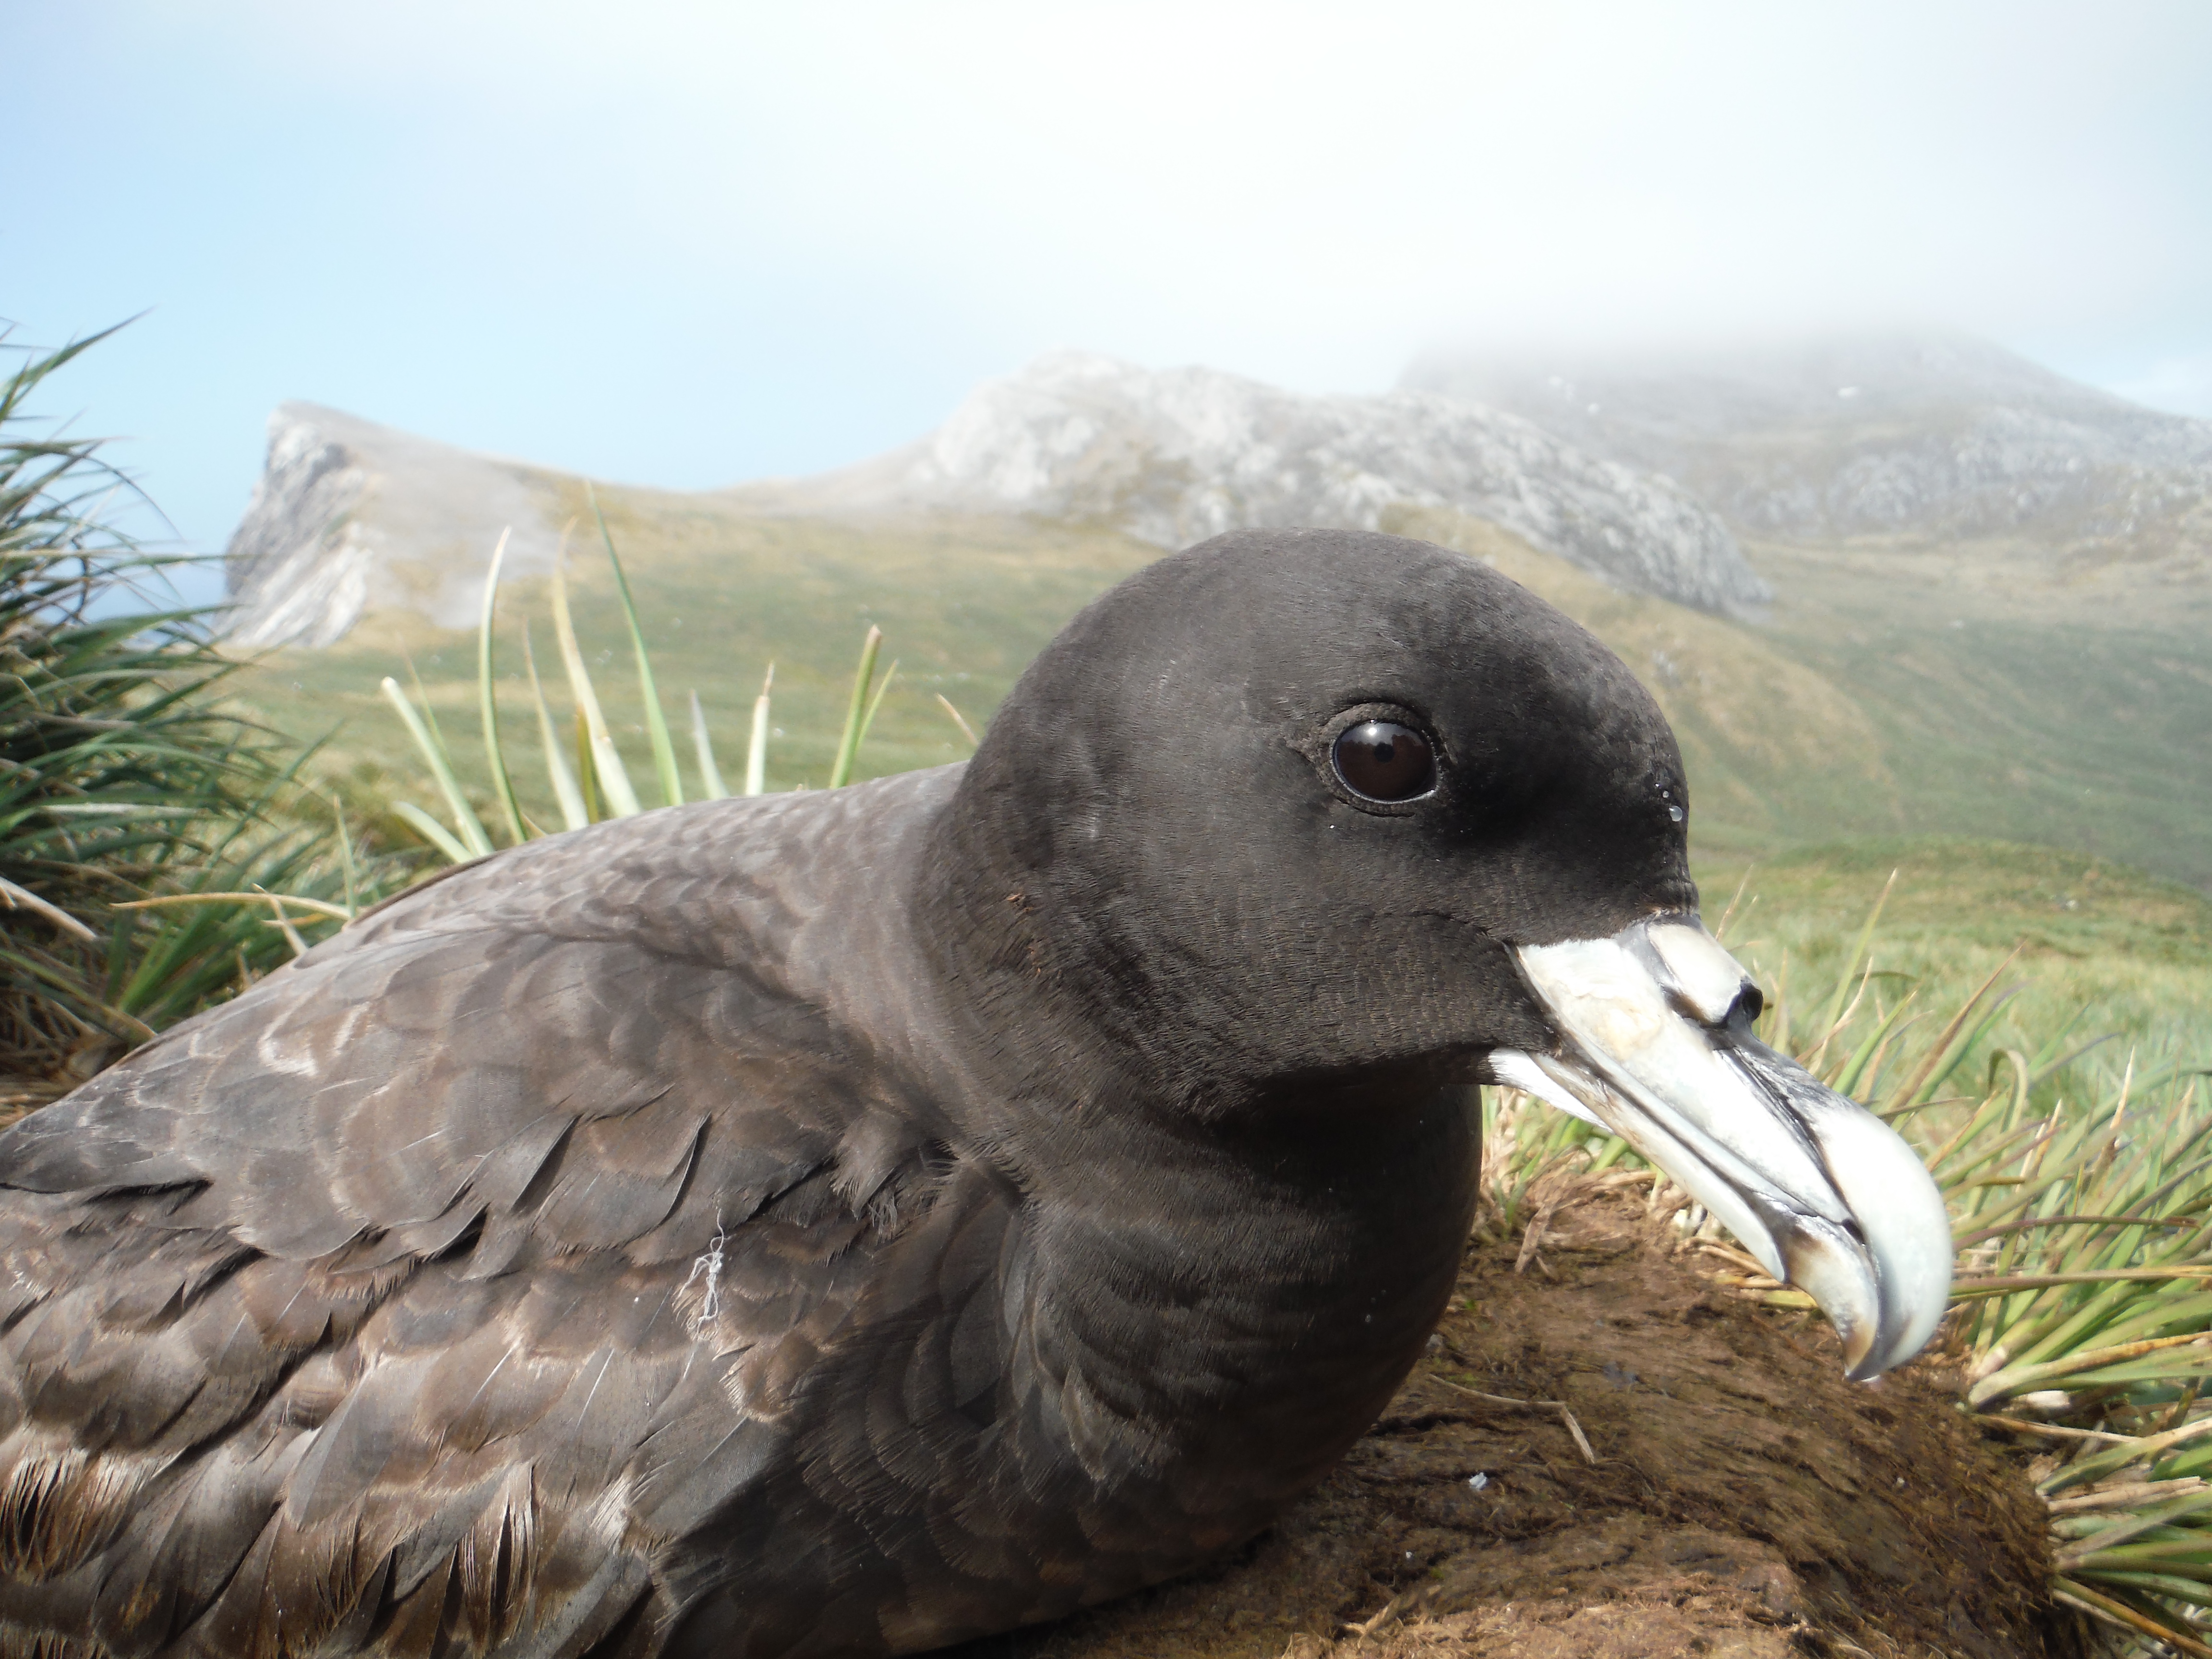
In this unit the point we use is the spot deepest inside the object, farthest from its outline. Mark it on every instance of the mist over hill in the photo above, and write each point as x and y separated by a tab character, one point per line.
1921	442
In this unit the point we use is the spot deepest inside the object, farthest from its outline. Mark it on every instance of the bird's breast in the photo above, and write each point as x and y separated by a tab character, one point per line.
1203	1343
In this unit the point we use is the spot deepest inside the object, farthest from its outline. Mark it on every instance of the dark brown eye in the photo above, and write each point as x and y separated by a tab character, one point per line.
1382	760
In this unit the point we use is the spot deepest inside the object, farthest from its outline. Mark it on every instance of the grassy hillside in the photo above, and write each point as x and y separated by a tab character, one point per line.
2114	951
1863	706
1814	792
2038	714
1868	706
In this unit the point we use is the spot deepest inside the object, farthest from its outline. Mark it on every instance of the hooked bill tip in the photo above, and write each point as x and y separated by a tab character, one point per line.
1827	1196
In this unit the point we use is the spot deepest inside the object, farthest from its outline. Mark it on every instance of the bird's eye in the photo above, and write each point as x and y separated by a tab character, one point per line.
1381	760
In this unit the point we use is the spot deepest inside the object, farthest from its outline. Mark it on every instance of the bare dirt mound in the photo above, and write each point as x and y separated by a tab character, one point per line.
1721	1491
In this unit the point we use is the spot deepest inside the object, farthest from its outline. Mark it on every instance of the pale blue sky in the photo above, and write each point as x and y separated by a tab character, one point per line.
691	245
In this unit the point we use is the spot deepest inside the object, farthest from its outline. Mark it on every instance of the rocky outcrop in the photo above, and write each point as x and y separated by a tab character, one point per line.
1175	456
1919	438
350	517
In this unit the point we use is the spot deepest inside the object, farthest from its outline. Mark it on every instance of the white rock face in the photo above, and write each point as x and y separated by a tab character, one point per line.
1175	456
350	517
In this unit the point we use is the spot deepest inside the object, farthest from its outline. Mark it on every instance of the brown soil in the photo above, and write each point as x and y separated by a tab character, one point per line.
1745	1503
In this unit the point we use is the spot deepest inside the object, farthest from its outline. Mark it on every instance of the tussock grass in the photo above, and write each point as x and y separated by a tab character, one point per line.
597	785
141	827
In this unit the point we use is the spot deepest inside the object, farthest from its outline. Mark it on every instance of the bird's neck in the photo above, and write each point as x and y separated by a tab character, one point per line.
1242	1304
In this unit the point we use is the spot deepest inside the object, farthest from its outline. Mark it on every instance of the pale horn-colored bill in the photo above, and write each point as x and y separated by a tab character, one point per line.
1655	1045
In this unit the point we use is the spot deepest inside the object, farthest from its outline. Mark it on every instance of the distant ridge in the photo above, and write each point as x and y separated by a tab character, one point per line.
1919	439
350	517
1173	456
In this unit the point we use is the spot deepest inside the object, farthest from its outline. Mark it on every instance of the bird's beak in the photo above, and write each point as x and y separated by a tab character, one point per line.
1655	1045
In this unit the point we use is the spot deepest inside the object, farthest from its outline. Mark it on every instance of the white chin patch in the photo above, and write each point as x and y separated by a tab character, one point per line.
1517	1071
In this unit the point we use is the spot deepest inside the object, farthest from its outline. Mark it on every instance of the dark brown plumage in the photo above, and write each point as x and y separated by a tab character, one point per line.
838	1223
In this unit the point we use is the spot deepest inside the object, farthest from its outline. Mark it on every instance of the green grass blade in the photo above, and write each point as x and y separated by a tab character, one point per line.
607	769
588	775
1856	1069
431	831
848	746
428	710
757	745
2021	1379
574	814
487	709
346	869
710	776
876	702
968	731
656	724
1948	1047
125	782
472	837
2109	1611
1837	1004
2126	1527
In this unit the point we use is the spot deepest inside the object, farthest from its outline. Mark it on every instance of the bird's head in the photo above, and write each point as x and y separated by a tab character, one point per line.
1301	812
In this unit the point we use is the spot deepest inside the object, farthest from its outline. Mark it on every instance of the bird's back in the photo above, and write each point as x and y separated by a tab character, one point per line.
431	1294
